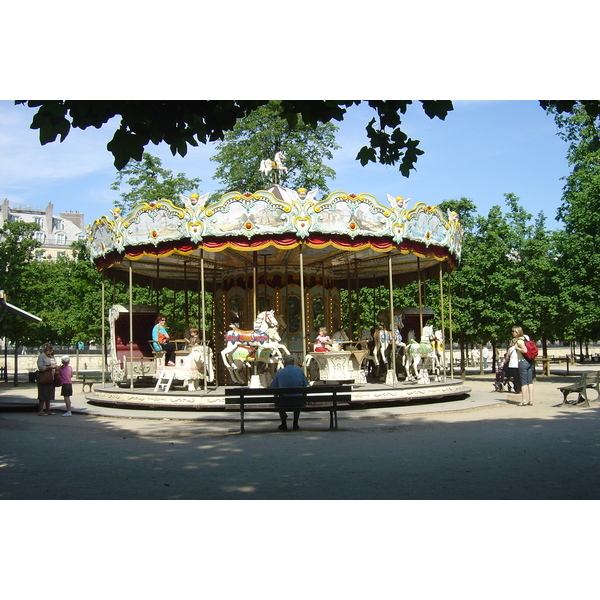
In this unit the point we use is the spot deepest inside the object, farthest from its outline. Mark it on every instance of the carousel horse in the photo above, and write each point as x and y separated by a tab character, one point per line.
418	353
200	354
245	347
437	343
267	165
190	368
432	360
383	342
383	316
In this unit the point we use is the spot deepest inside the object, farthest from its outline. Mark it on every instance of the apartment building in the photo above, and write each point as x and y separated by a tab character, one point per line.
56	233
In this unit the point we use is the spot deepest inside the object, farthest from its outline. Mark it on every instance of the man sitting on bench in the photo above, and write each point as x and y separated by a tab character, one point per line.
289	376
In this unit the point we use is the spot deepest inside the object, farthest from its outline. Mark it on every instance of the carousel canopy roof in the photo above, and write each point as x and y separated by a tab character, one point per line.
345	235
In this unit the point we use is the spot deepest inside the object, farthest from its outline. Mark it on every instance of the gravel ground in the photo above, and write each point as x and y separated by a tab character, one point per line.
494	450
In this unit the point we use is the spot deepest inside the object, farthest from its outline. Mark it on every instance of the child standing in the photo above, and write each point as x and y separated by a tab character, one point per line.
66	374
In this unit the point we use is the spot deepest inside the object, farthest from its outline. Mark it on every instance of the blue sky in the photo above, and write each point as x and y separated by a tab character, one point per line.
482	150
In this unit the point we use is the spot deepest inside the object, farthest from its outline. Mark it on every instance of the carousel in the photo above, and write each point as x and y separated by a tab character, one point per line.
277	265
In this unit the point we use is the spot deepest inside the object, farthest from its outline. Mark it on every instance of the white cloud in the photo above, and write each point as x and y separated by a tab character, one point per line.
23	160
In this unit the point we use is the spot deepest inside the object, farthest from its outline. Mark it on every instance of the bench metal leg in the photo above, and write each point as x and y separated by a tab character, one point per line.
241	416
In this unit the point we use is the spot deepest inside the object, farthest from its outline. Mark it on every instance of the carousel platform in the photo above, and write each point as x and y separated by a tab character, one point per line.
364	396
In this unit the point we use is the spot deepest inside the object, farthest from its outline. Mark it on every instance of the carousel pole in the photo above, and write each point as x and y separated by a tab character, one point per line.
103	333
391	379
420	297
357	299
255	284
450	328
351	318
185	296
265	285
199	292
130	326
203	318
326	311
285	311
442	319
303	308
214	323
174	306
254	376
157	285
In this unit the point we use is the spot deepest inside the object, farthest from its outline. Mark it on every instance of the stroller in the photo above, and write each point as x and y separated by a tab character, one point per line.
502	379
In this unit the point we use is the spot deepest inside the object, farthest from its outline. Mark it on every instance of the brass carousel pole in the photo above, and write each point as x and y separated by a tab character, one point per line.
185	297
103	333
285	310
254	284
266	304
216	365
442	321
157	285
391	380
357	299
255	296
130	326
303	308
351	318
450	328
420	298
203	319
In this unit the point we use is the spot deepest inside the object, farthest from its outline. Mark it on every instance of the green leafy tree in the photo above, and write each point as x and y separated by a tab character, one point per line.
579	253
17	252
147	180
263	133
68	297
508	275
180	123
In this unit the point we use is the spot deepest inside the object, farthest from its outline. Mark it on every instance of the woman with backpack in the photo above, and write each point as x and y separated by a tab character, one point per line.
525	368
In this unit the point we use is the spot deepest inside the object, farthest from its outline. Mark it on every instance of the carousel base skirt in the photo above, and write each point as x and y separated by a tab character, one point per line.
364	396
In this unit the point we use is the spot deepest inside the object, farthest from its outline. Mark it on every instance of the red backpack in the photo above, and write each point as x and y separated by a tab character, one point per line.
532	350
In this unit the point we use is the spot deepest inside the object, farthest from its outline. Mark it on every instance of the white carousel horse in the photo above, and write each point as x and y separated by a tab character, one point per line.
267	165
192	367
202	356
279	158
245	347
340	334
241	356
437	343
431	359
416	355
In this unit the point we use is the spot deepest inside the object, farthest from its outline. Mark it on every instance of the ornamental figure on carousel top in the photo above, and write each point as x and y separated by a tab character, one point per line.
276	165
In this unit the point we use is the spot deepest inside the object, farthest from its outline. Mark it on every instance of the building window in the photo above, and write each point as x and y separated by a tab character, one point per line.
40	236
59	224
38	221
61	238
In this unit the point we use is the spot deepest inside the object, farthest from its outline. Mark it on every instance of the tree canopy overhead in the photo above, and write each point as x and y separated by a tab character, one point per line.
180	123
